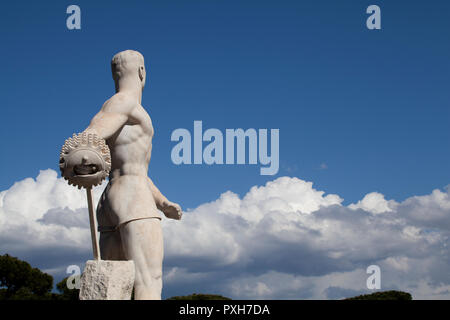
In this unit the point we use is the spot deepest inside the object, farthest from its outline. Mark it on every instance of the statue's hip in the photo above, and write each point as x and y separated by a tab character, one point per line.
125	199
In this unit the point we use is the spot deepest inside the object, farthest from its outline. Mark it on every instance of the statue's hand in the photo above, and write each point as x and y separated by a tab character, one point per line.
172	210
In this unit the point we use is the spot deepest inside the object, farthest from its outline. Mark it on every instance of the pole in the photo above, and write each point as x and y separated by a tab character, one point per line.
93	224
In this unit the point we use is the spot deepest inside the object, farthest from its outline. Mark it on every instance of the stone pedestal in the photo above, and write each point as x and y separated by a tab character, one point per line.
107	280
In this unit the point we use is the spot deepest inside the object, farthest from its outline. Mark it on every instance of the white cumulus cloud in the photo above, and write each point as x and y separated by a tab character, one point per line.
281	240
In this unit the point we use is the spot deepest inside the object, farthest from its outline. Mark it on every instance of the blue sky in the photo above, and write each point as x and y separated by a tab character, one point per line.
358	110
371	105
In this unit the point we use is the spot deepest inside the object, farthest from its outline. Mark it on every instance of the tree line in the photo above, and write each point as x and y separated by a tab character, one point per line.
20	281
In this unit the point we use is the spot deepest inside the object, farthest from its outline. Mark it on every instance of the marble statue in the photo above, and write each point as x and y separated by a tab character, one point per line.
127	214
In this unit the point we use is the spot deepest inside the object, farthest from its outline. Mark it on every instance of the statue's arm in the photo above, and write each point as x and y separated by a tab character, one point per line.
114	114
160	199
170	209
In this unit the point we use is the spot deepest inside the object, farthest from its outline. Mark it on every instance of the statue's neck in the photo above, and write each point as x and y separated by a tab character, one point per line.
130	88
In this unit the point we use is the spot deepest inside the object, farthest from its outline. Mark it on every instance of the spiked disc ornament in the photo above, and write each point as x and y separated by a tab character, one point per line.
85	160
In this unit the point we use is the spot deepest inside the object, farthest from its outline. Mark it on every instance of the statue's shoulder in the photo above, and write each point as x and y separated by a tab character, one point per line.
120	102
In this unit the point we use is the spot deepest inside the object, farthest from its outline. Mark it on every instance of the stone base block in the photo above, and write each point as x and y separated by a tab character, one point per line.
107	280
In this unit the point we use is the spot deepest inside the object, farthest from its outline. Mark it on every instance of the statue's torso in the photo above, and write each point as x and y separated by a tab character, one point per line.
131	147
128	195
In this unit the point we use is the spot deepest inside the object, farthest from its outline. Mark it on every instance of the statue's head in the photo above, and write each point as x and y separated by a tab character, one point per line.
128	65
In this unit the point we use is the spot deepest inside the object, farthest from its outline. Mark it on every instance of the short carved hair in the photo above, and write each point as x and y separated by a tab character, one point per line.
126	62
